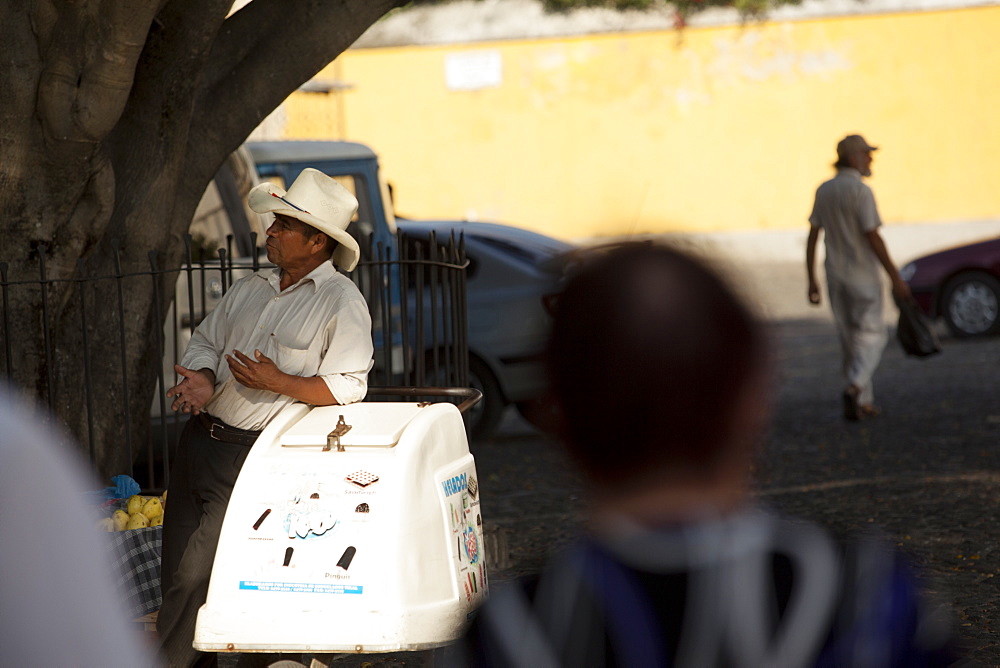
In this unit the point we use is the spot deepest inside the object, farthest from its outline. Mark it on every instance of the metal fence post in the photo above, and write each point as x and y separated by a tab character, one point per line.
46	336
8	349
155	275
88	384
121	340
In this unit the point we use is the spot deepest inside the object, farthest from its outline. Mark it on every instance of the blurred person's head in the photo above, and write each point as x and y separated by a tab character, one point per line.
658	370
854	151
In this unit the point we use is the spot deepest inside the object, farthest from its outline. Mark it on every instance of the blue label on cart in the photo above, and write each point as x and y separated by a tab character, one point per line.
301	587
455	485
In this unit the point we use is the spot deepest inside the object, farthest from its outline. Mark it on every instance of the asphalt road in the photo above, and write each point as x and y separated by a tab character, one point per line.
926	472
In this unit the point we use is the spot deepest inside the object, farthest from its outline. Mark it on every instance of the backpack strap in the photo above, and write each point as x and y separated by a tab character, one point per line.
514	630
802	630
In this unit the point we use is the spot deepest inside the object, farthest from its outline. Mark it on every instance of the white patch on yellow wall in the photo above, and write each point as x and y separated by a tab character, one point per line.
551	59
824	62
583	52
473	70
547	77
686	98
694	91
754	56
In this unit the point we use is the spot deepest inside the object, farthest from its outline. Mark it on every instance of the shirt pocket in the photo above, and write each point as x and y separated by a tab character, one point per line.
294	361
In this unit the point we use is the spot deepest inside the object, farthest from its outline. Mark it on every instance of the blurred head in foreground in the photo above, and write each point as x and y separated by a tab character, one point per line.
659	373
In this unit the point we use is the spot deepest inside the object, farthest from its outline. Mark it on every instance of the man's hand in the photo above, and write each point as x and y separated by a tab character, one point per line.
900	289
192	393
259	374
814	296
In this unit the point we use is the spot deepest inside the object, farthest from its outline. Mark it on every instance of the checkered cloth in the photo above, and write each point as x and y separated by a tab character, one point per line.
136	557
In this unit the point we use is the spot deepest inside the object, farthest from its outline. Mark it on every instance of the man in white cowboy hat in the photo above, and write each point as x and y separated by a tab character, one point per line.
301	332
845	210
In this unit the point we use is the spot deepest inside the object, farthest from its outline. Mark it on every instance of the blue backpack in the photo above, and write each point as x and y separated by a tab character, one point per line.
856	606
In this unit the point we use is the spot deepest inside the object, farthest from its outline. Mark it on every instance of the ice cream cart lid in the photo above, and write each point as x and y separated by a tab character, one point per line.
372	424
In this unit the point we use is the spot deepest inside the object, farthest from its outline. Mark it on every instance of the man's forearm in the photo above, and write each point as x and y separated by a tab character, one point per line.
811	254
882	253
313	390
900	289
813	291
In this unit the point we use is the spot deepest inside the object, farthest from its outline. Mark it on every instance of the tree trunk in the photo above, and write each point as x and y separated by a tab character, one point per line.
114	116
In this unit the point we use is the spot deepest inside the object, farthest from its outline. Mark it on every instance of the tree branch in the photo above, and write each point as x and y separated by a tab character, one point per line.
265	52
88	72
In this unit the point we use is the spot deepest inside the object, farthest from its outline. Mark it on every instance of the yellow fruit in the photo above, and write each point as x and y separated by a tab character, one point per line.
152	508
135	503
106	524
163	499
137	521
120	519
156	522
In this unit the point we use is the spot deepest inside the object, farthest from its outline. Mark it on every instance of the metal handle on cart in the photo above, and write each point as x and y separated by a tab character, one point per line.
473	396
333	438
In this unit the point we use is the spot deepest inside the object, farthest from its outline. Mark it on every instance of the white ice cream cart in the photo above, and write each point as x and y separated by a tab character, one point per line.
351	529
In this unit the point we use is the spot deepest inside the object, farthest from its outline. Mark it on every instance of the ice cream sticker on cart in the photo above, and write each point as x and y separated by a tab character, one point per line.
471	545
455	485
362	478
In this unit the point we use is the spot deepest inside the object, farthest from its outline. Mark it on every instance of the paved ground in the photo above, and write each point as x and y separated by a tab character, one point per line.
927	472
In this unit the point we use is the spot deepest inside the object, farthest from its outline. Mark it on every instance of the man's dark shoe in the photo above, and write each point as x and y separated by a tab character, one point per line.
852	410
870	411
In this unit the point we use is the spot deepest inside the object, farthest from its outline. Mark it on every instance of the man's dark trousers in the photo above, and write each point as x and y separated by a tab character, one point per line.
201	481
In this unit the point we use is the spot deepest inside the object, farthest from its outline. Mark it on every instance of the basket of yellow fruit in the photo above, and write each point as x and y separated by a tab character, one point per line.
135	524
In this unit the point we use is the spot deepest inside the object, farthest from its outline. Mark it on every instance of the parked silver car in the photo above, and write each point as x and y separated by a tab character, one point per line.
511	270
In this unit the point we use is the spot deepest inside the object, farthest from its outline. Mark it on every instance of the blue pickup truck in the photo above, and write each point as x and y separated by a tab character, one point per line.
510	272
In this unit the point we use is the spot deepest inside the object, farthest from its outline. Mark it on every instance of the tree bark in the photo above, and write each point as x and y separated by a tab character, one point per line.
114	116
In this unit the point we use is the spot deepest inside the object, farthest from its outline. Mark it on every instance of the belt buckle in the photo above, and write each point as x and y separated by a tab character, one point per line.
211	432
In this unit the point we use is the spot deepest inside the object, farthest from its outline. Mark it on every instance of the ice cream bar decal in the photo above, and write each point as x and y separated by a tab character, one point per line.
347	557
260	520
362	478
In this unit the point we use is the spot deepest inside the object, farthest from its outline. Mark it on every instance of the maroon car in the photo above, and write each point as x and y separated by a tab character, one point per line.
960	284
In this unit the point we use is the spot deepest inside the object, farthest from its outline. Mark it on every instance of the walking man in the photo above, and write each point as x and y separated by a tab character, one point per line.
301	332
845	210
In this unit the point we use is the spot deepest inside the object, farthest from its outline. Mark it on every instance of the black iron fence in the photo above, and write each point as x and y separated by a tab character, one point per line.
415	291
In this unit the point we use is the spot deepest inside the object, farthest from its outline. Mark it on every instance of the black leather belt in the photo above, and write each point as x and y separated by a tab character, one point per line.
221	431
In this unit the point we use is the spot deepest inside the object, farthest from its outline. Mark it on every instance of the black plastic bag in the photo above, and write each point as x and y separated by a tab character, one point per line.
914	330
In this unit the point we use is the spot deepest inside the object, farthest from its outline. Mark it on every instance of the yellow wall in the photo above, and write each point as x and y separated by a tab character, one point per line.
714	129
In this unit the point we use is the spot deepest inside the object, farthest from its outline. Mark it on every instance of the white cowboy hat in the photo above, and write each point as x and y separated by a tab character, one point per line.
316	200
